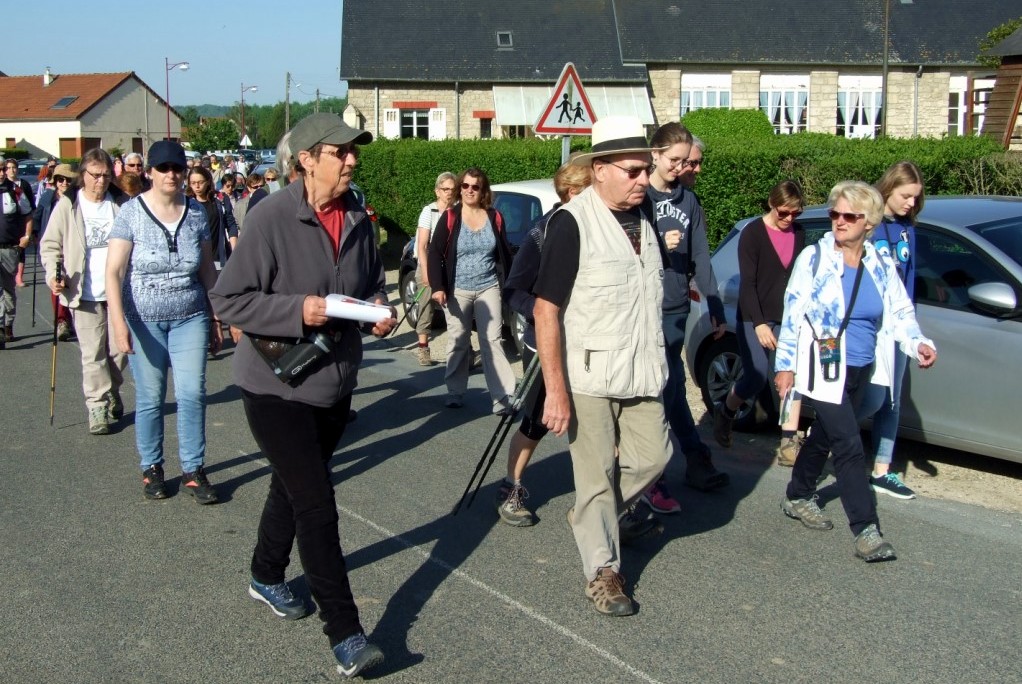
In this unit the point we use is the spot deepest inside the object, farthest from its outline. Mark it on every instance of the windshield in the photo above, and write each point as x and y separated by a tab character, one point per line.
1006	235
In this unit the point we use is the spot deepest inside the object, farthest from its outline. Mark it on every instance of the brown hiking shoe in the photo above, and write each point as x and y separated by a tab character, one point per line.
423	355
607	592
787	451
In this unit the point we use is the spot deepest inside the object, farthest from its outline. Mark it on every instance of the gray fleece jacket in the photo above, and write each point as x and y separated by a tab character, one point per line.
284	255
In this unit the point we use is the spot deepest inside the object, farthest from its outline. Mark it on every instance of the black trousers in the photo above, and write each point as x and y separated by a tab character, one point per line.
298	440
837	431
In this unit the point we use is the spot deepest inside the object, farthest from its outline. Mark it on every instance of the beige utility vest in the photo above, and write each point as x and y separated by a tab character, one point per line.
613	334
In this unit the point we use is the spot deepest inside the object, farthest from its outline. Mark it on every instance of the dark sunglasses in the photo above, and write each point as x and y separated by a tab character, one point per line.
848	216
167	167
134	165
341	152
785	214
61	179
634	172
473	186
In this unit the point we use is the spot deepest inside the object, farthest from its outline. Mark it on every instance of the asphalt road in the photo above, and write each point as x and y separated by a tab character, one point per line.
99	585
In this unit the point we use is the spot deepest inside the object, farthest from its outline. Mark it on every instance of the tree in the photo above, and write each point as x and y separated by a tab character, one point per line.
996	35
214	134
189	116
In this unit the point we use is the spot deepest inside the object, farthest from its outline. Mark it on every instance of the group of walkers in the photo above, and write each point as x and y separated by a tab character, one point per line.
602	280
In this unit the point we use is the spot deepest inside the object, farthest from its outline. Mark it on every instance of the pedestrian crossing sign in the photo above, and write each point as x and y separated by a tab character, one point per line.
569	111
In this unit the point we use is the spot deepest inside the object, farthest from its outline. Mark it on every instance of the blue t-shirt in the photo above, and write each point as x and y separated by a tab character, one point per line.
162	280
477	267
895	238
860	337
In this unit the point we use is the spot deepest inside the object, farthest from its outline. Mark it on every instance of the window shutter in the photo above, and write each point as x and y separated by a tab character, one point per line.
438	124
392	123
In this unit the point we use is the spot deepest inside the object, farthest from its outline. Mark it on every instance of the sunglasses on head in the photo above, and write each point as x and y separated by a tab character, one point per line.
782	214
167	167
474	187
848	216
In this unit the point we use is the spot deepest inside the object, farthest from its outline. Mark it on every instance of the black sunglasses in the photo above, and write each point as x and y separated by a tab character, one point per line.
848	216
634	171
781	214
167	167
473	186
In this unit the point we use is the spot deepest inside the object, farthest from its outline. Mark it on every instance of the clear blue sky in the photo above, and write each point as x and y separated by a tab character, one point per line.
227	43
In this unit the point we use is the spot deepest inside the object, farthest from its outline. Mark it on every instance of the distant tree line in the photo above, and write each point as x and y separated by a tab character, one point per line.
220	127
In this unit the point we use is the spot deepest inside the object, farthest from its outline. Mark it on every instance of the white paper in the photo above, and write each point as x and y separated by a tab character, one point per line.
343	306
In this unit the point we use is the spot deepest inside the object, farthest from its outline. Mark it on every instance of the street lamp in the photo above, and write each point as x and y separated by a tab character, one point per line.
183	66
243	91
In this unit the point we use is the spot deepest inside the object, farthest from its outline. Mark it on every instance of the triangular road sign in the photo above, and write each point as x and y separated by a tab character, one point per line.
568	112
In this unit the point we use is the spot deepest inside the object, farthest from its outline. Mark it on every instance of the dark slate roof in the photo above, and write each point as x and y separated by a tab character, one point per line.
456	40
1009	47
831	32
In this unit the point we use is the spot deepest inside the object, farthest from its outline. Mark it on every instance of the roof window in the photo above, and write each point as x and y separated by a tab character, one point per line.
504	40
64	102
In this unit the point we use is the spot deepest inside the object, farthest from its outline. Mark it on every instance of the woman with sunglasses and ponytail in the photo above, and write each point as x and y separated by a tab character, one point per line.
766	254
845	307
469	258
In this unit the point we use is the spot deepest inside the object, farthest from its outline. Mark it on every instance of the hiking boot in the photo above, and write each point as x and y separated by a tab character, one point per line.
659	498
607	592
871	547
638	522
511	505
114	407
891	485
787	451
280	599
424	357
3	339
153	486
722	426
98	421
453	401
355	655
9	333
806	511
197	485
702	475
63	331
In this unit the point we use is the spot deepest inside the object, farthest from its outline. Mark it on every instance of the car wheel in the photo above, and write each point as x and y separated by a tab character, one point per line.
720	367
408	292
516	326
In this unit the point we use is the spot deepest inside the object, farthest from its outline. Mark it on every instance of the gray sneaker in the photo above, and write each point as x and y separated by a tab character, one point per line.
806	511
114	407
511	505
871	547
99	421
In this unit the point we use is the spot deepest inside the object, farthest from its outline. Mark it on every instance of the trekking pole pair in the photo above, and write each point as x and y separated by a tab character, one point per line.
58	278
503	427
414	303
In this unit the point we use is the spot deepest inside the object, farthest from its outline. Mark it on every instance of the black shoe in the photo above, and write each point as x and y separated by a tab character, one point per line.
701	474
198	486
638	522
152	482
352	415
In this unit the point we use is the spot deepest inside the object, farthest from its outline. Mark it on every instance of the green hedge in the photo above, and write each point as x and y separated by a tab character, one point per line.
14	153
742	165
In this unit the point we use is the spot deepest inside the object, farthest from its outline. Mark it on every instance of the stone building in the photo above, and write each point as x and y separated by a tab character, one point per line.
480	70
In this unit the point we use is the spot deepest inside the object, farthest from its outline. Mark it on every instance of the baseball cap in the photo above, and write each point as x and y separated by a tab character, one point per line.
167	152
325	128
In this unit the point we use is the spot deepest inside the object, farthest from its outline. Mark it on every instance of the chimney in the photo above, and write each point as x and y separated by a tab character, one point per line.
47	77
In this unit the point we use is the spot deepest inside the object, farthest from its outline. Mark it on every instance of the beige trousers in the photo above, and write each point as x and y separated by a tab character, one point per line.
102	365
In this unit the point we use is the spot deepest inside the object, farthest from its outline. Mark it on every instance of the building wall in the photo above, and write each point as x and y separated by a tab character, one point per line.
917	106
473	98
130	111
822	102
42	138
665	89
745	89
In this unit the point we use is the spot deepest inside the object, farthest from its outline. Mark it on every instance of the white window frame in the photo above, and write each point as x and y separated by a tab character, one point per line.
960	85
392	123
859	100
785	101
704	91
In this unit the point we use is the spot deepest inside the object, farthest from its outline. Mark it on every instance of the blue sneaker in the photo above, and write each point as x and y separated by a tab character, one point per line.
355	655
891	485
280	600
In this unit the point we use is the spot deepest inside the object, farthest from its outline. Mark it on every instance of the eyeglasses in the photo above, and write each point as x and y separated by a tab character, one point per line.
61	179
674	161
781	214
99	176
450	189
167	167
848	216
256	187
341	152
474	187
692	163
135	165
634	171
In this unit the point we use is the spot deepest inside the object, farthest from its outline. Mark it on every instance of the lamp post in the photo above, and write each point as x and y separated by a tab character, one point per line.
243	91
883	78
183	66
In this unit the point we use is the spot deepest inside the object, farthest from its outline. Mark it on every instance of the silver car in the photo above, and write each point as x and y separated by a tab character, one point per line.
968	299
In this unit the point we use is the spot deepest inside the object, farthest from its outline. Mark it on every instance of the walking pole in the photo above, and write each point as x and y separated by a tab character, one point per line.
58	277
503	427
415	301
35	281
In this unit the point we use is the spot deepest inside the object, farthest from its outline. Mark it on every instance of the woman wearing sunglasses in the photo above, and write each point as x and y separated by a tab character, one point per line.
766	255
77	234
844	308
158	276
469	258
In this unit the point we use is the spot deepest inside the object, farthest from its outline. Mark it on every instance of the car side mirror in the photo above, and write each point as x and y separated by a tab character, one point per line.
995	298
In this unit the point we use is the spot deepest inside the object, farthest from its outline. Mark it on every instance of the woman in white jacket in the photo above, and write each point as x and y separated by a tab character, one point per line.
844	309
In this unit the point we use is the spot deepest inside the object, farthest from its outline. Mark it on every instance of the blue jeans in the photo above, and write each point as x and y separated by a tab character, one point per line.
679	416
885	420
181	345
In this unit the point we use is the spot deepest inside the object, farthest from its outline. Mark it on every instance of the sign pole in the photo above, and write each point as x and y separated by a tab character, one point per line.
565	148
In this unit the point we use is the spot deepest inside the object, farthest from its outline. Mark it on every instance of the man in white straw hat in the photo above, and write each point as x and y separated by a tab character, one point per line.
601	347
